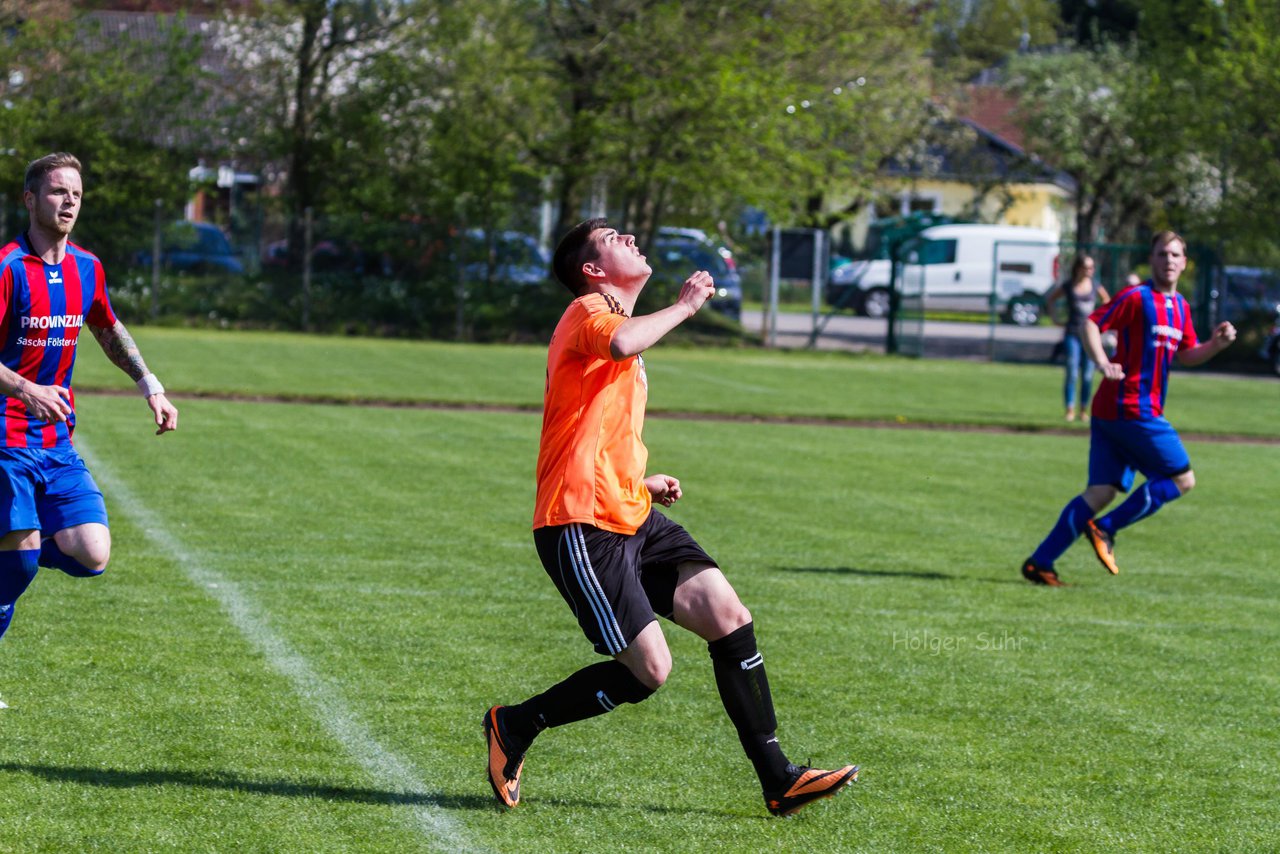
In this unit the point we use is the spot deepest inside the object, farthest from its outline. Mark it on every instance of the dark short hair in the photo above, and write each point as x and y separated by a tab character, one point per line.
574	250
1162	237
38	170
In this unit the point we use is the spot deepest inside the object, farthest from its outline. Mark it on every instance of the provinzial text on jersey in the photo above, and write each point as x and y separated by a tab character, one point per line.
65	321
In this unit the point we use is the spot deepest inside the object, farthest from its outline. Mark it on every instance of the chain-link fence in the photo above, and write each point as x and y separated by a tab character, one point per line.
344	274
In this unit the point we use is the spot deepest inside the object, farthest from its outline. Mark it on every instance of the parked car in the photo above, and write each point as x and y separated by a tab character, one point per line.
884	235
1242	291
196	247
960	267
330	256
1271	346
860	284
517	258
676	255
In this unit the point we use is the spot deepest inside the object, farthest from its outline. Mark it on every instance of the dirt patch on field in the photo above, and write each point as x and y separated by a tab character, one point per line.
871	423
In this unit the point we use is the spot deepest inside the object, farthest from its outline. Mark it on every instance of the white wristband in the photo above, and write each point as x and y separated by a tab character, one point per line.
149	385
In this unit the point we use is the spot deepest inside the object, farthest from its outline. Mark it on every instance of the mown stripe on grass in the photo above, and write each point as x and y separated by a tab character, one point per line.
869	422
326	702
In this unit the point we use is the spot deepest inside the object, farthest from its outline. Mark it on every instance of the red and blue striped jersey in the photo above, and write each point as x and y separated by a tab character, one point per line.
42	309
1151	328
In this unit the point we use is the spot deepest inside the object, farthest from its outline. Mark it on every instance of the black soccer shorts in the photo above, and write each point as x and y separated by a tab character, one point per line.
616	584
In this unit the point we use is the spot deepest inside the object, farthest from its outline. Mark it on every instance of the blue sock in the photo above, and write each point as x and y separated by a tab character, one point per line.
1069	526
1144	501
17	569
55	558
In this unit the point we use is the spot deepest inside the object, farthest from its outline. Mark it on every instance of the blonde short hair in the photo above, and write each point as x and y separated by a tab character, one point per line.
38	170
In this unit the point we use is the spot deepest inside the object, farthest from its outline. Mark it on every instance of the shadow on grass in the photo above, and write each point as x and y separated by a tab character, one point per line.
879	573
116	779
1013	579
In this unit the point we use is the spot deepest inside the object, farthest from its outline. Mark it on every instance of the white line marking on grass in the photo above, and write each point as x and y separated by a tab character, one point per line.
386	768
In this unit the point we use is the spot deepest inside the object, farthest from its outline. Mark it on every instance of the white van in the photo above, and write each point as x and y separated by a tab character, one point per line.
963	267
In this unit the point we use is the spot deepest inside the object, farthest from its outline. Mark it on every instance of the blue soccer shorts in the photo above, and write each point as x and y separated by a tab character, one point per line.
47	490
1119	447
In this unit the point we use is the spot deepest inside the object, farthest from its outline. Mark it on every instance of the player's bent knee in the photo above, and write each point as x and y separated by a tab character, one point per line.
1098	496
94	560
636	691
77	560
653	675
651	681
1185	481
728	619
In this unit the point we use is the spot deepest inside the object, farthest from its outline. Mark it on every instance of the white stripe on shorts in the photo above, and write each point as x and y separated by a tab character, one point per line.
610	631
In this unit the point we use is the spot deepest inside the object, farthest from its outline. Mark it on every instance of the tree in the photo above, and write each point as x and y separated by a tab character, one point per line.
1218	64
971	36
129	108
690	110
295	65
1093	22
1101	117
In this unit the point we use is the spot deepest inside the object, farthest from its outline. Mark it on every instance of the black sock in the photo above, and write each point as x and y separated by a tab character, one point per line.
744	690
589	692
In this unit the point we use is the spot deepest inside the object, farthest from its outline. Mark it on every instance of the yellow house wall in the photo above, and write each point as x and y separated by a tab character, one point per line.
1033	205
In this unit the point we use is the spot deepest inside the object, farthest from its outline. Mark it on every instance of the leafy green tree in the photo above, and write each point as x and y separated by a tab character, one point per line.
295	66
689	110
414	109
1101	116
1217	64
130	109
400	124
1091	22
969	36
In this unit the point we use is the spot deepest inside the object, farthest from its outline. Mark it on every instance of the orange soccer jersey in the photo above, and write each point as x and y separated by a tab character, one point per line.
591	460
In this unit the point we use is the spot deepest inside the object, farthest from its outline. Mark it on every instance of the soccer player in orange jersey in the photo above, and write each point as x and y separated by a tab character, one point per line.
618	563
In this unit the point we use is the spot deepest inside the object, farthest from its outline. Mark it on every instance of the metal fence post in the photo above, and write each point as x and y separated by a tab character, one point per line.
771	309
818	278
157	245
306	268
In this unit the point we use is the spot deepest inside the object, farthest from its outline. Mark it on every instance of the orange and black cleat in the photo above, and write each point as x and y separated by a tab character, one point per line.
1037	574
505	761
806	785
1104	546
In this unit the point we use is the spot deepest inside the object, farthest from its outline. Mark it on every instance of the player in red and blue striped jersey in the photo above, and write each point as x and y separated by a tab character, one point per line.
51	511
1129	433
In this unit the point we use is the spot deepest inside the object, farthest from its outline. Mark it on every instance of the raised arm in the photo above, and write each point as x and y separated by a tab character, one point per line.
1222	337
123	352
638	334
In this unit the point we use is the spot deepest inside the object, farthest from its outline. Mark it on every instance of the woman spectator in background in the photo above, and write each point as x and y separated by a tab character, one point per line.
1083	294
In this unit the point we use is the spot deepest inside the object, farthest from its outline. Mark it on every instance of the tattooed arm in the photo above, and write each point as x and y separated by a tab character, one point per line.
120	348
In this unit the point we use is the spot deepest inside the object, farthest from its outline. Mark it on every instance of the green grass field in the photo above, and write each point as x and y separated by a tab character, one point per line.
311	604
